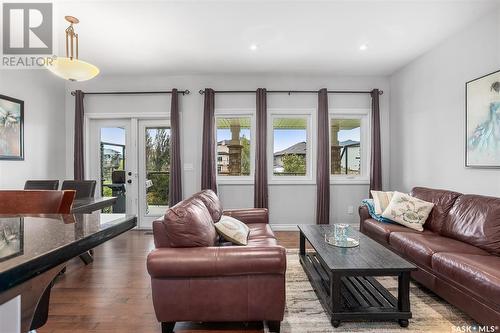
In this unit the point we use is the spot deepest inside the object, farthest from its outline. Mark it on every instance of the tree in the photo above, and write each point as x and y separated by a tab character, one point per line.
294	164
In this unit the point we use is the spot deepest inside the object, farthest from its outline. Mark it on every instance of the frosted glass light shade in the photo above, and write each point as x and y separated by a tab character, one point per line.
73	69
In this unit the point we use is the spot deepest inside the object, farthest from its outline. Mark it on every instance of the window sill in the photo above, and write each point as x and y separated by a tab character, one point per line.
235	181
349	181
291	181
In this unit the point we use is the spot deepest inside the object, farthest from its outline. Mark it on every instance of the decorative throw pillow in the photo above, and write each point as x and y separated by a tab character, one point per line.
371	210
233	230
381	200
408	211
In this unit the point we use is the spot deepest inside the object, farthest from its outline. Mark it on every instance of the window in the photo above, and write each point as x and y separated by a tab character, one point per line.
349	147
345	147
291	147
234	146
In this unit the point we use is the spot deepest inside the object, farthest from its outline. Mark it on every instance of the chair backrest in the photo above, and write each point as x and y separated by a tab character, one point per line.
36	202
83	188
41	185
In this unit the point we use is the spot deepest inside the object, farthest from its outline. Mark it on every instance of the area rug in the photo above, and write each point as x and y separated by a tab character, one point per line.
305	314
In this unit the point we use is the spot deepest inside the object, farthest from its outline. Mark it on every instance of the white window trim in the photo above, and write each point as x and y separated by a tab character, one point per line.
310	177
364	114
237	113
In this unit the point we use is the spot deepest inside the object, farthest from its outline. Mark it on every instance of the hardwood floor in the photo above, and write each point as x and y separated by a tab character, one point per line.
113	294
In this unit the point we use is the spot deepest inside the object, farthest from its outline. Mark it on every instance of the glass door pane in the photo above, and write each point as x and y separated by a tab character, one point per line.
112	162
154	169
157	161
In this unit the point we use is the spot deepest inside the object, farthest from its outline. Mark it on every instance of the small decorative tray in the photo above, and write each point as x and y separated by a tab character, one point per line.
348	242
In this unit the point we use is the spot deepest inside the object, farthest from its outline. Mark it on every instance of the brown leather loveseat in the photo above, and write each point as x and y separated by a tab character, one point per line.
194	278
458	253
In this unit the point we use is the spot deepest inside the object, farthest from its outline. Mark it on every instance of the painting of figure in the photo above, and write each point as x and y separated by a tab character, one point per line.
483	122
11	128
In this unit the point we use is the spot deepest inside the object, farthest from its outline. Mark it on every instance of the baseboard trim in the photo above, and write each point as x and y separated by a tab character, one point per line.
284	227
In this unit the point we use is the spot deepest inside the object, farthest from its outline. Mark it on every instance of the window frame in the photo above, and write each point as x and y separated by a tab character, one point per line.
310	115
237	113
364	115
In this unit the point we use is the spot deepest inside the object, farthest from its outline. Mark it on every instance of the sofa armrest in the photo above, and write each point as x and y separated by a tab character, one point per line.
363	216
249	215
216	261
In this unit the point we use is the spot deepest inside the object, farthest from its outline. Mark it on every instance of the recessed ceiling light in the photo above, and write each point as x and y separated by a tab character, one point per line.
253	47
363	47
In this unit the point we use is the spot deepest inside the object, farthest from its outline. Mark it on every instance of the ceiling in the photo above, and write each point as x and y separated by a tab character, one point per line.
311	37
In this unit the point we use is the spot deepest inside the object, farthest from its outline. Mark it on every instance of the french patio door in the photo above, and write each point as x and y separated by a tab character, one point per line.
130	159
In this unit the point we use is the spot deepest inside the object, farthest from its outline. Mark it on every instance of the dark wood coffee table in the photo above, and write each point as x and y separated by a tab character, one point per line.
343	278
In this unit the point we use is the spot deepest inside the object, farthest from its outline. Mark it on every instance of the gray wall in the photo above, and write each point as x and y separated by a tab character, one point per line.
289	204
428	112
44	127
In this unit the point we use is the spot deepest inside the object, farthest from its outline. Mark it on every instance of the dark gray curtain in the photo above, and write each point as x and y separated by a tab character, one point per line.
323	171
376	159
208	170
175	183
78	166
260	184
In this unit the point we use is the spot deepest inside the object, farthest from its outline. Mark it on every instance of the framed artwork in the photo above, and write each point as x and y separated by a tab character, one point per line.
11	128
482	122
11	237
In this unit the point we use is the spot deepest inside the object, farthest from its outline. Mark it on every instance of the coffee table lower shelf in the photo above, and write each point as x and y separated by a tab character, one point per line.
361	296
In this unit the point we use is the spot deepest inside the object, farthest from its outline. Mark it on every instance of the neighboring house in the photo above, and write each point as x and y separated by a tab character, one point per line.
297	149
111	157
350	155
222	157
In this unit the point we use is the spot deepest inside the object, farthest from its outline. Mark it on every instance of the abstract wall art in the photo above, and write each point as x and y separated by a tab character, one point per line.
11	128
483	122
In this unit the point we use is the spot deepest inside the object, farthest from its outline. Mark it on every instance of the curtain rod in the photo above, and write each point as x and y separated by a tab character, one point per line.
183	92
289	92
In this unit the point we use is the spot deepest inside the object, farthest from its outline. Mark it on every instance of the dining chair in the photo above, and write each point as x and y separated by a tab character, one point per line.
41	185
36	202
83	188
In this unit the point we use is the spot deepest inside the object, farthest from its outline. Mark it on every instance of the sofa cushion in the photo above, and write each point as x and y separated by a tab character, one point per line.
212	202
380	231
262	242
381	200
189	224
475	219
419	247
443	201
261	234
478	273
260	230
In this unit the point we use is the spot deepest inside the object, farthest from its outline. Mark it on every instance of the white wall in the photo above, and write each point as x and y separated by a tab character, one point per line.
44	127
289	204
428	112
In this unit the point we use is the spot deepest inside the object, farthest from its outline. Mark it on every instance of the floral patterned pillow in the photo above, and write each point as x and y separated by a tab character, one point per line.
408	211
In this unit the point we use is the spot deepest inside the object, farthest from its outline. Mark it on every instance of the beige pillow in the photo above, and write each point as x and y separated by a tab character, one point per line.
233	230
381	200
408	211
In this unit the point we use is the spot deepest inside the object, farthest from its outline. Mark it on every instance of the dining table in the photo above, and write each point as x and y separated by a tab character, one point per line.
34	249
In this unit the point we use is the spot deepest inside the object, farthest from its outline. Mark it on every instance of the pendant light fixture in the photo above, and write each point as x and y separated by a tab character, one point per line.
71	68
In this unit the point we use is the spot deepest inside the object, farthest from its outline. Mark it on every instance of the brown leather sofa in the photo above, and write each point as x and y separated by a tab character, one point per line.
197	277
458	253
